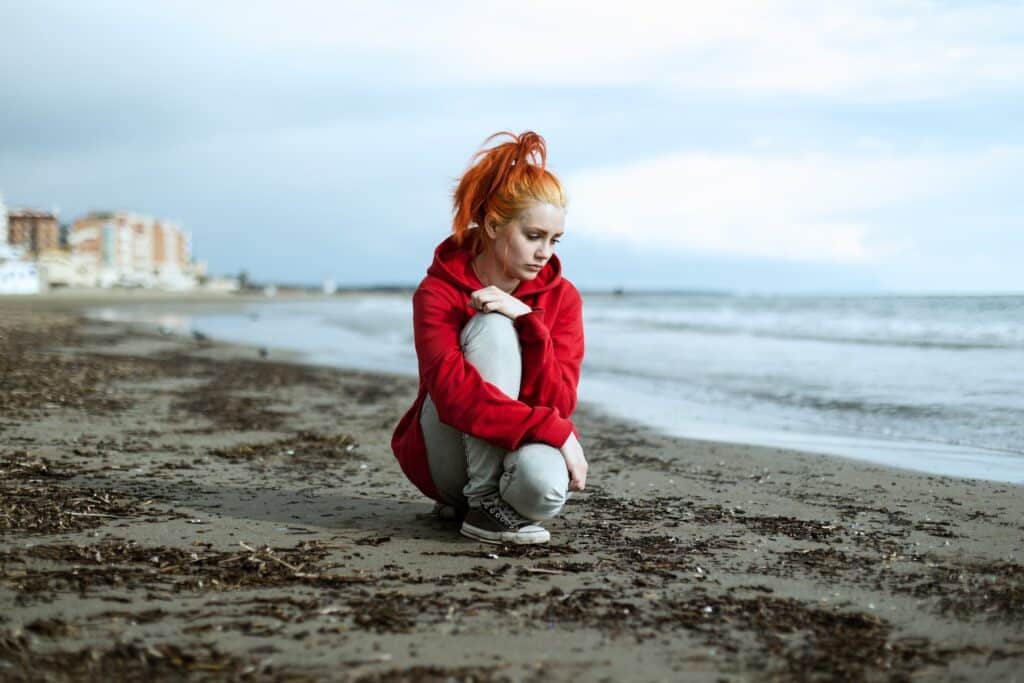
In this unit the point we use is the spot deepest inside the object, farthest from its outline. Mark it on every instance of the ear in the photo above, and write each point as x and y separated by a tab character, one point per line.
491	227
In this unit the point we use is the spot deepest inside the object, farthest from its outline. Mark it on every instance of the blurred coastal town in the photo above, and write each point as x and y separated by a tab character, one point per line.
100	250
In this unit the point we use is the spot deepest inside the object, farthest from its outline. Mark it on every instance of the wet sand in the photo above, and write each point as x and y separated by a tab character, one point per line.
177	509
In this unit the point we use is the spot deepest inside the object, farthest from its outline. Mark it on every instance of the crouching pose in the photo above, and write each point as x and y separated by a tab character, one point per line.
499	338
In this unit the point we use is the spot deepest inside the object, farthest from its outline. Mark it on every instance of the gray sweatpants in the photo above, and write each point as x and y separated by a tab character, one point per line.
533	478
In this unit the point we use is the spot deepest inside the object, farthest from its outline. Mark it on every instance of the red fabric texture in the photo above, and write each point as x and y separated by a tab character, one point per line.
551	339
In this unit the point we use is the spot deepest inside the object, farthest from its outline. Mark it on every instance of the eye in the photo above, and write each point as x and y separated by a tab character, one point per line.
556	240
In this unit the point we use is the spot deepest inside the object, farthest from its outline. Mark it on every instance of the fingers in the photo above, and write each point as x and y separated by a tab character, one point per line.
577	478
489	292
493	300
484	300
487	302
575	463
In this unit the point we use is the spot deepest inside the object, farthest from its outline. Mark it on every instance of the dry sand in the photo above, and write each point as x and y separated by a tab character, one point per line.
175	509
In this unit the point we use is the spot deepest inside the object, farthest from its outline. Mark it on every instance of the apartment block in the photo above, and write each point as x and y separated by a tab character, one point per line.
36	232
129	249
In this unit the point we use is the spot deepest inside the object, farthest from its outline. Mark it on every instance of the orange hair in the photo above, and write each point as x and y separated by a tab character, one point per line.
501	182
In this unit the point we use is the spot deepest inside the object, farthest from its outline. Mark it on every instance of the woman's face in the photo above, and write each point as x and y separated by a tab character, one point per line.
525	244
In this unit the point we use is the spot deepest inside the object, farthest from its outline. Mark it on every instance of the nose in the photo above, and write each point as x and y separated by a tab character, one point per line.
545	250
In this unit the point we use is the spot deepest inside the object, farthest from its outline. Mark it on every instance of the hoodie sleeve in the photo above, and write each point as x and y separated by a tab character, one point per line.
464	400
552	356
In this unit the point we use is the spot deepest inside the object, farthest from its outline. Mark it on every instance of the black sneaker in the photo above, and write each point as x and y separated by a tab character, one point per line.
495	521
448	513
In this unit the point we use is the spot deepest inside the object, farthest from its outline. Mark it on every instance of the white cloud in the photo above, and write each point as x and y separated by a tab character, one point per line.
865	49
855	50
800	207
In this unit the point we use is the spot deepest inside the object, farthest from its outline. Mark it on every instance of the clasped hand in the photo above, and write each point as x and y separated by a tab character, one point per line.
493	300
575	463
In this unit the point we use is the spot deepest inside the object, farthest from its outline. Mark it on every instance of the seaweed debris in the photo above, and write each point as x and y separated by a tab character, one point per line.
127	564
436	674
35	378
304	447
799	529
827	562
222	398
134	661
31	502
969	590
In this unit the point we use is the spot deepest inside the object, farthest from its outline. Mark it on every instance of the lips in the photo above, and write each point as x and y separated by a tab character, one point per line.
532	266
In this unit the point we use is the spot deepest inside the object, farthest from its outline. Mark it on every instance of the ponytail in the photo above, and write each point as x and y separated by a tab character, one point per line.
501	182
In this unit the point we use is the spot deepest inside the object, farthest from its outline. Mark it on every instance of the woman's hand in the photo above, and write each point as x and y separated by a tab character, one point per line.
494	300
572	451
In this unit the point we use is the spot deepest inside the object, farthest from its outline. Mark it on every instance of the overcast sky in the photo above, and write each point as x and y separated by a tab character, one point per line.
751	146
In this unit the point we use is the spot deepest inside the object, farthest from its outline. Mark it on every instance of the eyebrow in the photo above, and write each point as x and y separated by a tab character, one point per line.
537	228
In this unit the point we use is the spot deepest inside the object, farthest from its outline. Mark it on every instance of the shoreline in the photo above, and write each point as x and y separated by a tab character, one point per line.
289	544
953	459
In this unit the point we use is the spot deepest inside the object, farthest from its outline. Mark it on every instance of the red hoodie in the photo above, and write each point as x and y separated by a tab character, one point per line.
551	338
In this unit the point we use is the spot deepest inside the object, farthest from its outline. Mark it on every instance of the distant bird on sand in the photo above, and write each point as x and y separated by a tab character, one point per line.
199	336
263	352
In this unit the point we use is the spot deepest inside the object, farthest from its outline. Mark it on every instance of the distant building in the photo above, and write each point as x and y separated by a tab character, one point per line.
3	223
222	285
133	250
64	269
17	275
37	232
101	249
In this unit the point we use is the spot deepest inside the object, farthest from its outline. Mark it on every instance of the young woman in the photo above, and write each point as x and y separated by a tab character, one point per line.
499	338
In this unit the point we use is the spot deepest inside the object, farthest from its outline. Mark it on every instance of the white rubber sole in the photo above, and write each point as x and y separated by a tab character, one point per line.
502	537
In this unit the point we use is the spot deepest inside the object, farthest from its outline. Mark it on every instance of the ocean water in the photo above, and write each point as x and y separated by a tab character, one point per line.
929	383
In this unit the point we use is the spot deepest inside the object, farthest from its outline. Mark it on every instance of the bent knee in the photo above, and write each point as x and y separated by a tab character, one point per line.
539	484
488	328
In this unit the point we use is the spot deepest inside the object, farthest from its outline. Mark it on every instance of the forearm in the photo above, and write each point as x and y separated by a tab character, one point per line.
549	378
473	406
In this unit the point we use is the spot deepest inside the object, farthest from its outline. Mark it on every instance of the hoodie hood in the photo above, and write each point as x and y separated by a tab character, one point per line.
452	263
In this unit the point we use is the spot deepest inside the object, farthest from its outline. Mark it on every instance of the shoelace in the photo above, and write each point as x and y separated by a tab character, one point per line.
505	513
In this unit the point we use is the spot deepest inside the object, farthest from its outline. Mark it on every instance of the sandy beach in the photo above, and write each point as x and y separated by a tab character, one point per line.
179	509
